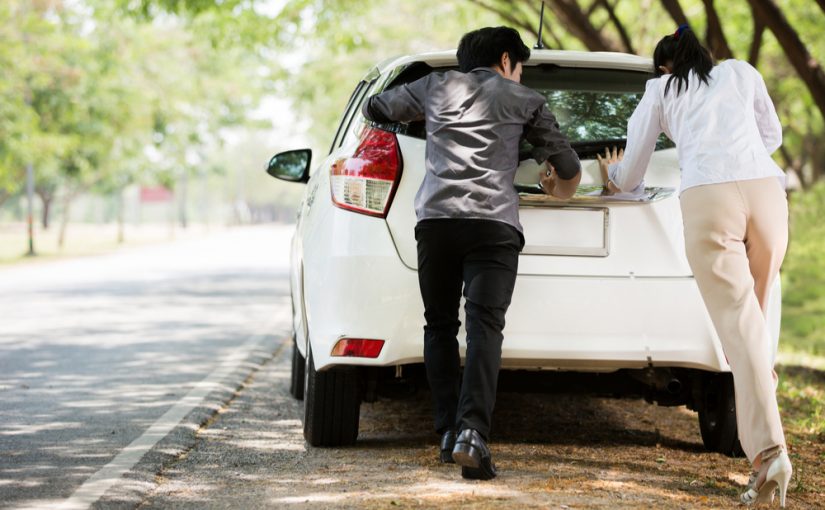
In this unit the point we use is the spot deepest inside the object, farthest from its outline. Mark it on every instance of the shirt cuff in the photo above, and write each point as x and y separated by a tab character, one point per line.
612	174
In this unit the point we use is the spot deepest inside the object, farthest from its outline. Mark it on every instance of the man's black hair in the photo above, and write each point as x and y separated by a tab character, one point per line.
685	53
484	47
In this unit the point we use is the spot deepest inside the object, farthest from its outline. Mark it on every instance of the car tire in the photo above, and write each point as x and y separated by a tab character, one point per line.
331	405
296	385
717	416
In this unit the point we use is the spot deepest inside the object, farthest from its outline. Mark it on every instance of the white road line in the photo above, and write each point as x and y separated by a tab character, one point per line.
97	485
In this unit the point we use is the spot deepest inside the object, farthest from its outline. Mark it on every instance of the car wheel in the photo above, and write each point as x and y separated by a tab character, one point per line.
331	405
296	385
717	416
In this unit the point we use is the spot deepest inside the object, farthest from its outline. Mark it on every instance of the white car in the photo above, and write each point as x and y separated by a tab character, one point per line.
604	300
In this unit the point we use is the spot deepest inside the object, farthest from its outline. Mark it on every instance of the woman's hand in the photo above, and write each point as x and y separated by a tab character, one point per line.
604	162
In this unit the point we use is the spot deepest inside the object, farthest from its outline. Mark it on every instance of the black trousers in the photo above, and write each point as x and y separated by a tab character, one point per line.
480	256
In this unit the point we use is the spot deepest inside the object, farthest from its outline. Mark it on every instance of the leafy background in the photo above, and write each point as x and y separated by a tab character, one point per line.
102	96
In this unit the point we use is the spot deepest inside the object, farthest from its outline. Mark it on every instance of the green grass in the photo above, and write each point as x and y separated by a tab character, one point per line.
801	395
803	275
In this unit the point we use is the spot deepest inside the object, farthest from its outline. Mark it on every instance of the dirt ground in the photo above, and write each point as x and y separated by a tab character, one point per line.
551	452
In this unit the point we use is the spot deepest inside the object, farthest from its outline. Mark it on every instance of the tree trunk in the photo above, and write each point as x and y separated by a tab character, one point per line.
506	16
121	234
787	158
46	198
628	45
715	37
47	205
578	24
817	151
800	58
675	10
756	42
64	223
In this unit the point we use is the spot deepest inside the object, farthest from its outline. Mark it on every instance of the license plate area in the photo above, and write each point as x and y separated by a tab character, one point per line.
566	231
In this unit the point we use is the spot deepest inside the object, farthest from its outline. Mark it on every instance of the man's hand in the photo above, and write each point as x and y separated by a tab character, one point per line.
604	162
551	184
547	179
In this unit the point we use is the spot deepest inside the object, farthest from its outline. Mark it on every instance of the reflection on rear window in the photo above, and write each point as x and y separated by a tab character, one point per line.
587	116
591	105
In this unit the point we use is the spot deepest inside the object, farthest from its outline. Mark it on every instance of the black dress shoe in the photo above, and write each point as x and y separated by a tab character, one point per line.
447	445
473	455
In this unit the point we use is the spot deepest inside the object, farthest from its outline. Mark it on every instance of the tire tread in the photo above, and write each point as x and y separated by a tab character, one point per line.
331	405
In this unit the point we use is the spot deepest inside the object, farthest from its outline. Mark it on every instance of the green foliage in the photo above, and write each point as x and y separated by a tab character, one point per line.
803	273
96	100
801	395
148	8
338	41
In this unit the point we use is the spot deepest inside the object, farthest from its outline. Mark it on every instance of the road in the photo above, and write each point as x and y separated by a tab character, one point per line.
103	357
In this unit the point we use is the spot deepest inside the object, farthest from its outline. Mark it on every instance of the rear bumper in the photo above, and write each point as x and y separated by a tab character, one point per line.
592	323
569	323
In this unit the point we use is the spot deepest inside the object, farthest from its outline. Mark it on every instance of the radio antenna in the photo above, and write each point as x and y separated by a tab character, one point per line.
540	45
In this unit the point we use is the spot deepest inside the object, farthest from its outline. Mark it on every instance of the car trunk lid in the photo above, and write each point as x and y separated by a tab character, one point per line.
587	235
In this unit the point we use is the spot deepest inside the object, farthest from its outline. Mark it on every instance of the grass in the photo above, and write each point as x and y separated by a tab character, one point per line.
801	396
802	399
803	275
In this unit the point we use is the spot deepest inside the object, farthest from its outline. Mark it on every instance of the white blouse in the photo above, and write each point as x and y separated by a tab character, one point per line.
724	131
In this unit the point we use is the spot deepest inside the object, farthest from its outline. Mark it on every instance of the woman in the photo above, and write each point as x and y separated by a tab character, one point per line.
735	217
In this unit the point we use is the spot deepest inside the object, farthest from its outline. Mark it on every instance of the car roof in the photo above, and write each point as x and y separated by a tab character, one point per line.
566	58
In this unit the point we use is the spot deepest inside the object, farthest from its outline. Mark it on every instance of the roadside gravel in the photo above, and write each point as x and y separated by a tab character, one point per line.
551	451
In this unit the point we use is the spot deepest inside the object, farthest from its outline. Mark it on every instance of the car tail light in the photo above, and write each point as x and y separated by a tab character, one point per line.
366	181
358	347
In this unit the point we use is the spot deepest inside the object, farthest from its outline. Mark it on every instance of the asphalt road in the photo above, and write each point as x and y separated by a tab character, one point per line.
108	365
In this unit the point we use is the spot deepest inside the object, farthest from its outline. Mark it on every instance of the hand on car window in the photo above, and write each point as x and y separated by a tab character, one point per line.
604	162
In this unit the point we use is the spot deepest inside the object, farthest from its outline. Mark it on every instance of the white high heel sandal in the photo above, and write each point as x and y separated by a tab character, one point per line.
777	475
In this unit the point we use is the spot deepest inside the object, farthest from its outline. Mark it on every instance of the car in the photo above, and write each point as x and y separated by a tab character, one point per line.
605	301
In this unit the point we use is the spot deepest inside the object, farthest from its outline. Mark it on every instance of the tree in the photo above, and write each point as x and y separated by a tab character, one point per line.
97	101
602	25
598	25
808	68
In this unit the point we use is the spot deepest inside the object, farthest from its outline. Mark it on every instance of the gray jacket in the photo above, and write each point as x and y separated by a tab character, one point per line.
474	124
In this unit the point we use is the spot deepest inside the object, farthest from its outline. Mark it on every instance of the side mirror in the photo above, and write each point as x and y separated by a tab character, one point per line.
292	166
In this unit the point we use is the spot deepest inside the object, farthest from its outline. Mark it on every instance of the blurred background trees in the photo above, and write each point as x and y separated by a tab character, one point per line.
782	39
103	95
128	104
98	98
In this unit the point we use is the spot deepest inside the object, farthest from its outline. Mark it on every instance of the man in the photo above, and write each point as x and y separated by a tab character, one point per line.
468	230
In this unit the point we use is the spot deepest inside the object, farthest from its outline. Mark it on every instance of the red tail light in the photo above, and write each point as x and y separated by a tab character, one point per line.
366	181
358	347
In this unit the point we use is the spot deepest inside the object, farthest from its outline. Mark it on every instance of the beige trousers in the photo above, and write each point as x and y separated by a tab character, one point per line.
736	234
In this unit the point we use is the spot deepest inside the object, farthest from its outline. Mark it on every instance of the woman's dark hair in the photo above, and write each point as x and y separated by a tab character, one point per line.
685	54
483	48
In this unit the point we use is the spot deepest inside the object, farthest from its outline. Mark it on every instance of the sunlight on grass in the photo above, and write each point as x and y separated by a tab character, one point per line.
802	399
803	274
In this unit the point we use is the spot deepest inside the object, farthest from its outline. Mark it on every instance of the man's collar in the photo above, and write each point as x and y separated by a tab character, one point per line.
484	68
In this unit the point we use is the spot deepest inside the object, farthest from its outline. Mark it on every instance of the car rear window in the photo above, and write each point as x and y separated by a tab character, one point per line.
592	106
